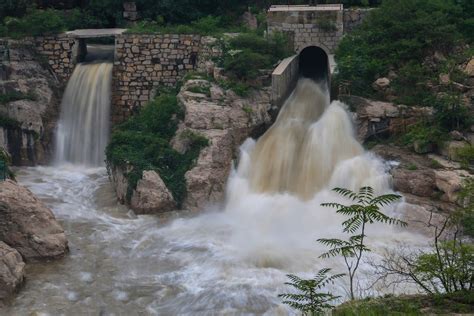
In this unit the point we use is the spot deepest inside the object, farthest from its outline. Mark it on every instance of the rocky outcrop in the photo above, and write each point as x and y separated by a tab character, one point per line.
226	120
27	225
32	104
377	118
151	195
12	271
426	179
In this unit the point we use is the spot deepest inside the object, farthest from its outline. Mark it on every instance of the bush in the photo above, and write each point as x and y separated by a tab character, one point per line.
35	23
143	143
400	32
424	134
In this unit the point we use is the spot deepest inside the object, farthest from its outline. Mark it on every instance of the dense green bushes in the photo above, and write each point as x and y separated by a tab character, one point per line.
143	143
35	22
400	33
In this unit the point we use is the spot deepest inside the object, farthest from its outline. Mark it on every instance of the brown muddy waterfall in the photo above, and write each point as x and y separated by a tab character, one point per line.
230	259
83	129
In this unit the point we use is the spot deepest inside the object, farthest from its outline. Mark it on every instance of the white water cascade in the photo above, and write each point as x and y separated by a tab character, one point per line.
83	129
229	260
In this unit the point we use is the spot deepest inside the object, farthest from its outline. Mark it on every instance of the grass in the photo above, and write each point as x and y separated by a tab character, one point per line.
9	123
459	302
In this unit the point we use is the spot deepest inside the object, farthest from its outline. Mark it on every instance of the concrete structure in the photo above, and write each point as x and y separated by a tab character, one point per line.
315	33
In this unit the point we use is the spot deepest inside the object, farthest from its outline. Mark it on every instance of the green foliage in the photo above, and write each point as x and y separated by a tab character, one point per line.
399	36
413	305
466	218
412	167
424	134
15	96
143	143
8	122
450	267
246	54
450	113
34	23
365	211
240	88
466	155
208	25
308	298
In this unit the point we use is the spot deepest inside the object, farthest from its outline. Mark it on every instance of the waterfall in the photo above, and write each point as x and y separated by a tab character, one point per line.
301	151
83	128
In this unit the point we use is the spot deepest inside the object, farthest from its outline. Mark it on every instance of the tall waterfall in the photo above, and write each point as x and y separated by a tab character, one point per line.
83	129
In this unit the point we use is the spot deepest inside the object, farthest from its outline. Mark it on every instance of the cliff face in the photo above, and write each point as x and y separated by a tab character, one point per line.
29	103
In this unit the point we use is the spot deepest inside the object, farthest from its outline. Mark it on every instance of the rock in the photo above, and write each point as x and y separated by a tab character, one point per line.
456	135
27	225
381	84
249	20
423	148
444	79
416	182
217	93
450	183
151	195
470	138
469	70
450	149
439	57
12	270
120	184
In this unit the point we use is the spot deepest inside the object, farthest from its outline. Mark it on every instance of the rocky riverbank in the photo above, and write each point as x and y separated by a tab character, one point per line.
29	232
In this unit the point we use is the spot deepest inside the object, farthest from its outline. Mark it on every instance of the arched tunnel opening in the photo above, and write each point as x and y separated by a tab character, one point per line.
96	49
314	64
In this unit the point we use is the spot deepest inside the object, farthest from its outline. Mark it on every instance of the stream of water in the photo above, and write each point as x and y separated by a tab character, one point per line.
233	258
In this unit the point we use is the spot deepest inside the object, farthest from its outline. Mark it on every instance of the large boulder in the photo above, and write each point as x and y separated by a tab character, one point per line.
12	270
151	195
469	70
27	225
416	182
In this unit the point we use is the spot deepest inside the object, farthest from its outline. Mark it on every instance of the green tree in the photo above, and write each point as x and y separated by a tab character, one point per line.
365	211
309	299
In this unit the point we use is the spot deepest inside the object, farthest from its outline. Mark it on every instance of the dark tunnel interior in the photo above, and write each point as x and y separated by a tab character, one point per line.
314	63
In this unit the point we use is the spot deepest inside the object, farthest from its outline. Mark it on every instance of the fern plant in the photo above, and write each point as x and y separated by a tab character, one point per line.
364	211
308	299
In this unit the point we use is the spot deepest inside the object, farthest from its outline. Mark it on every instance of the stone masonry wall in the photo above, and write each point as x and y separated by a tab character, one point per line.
60	52
322	28
144	62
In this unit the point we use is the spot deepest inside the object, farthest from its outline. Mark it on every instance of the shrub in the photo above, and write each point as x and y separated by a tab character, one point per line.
425	134
35	23
15	95
143	143
466	155
9	123
364	211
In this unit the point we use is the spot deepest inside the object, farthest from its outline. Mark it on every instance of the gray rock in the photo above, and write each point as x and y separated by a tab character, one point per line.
27	225
12	270
151	195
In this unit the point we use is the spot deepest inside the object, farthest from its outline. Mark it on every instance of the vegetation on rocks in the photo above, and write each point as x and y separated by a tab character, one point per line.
143	143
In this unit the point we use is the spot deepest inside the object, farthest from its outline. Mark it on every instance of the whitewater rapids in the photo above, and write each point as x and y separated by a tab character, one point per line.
231	260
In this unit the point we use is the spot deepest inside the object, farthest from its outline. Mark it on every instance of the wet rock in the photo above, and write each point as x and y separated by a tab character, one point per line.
381	84
450	149
12	270
416	182
456	135
151	195
469	69
444	79
449	182
27	225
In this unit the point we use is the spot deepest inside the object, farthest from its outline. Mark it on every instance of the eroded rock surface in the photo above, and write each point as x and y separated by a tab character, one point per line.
27	225
151	195
35	107
12	270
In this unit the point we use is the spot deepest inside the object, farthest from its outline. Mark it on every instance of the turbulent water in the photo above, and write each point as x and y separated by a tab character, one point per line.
231	260
83	128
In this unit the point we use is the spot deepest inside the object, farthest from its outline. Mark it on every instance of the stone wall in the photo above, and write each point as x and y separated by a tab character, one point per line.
144	62
322	28
353	18
61	54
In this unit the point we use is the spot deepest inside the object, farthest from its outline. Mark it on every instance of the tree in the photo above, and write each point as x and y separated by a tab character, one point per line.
365	211
309	300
